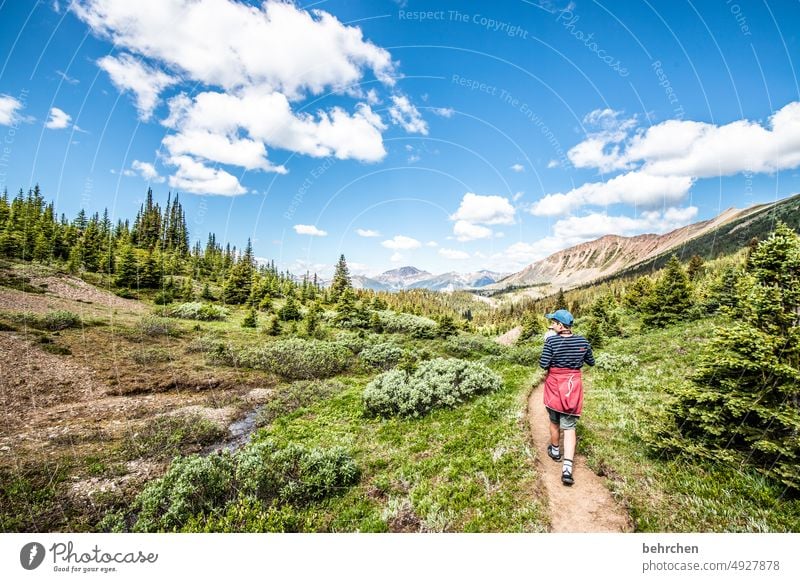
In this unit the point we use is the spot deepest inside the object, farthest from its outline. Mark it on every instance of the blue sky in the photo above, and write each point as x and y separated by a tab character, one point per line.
445	135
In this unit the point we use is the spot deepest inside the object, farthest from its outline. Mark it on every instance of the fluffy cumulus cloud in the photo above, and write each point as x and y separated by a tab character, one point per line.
146	170
145	82
309	229
401	243
476	211
454	255
466	231
58	119
484	209
635	188
661	163
404	114
10	110
518	168
247	103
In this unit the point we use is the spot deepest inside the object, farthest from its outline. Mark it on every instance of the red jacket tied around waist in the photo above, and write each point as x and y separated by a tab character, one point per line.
563	391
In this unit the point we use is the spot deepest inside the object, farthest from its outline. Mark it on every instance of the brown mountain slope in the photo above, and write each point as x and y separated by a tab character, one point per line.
608	255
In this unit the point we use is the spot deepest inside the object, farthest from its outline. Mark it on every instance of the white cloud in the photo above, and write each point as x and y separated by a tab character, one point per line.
432	244
146	83
9	110
400	242
146	170
553	164
518	168
453	254
517	196
446	112
196	177
638	188
57	119
309	229
247	82
466	231
405	114
484	210
315	50
396	258
367	233
667	158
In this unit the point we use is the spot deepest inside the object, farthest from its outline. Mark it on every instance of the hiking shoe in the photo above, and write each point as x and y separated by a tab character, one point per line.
552	455
566	478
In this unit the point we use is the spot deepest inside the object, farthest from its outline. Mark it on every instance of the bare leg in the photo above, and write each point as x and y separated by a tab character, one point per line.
569	443
554	436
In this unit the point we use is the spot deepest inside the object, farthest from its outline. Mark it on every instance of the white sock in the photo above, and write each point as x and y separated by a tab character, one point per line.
567	467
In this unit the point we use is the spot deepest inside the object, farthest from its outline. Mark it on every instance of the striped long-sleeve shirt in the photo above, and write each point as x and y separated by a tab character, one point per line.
566	351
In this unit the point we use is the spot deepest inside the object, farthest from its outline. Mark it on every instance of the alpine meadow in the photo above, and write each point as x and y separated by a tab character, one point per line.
278	267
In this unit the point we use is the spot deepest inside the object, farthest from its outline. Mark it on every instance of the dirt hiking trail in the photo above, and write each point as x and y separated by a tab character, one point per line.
585	507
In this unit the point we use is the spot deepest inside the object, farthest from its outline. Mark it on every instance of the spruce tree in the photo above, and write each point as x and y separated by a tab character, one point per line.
672	296
743	404
341	280
127	268
290	310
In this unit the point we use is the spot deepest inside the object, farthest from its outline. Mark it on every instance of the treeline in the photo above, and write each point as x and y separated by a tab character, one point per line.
152	253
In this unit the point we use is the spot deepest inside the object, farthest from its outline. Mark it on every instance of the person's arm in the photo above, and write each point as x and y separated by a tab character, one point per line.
588	357
547	354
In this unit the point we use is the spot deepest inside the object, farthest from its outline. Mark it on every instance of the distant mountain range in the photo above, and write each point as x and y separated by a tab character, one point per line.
413	278
612	255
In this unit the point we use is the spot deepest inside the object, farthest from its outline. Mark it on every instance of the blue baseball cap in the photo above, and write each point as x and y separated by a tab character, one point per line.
562	316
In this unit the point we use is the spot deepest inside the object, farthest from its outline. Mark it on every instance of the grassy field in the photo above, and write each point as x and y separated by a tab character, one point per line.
663	494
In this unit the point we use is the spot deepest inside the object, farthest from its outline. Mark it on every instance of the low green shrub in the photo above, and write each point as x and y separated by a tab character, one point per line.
382	356
293	474
435	383
297	359
196	489
152	325
524	355
50	321
191	485
609	362
465	346
414	325
199	311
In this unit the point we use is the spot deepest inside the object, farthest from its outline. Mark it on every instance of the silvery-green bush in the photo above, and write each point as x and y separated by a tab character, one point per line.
435	383
382	356
465	346
298	359
199	311
414	325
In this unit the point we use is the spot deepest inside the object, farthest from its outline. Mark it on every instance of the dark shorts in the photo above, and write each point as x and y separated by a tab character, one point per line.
562	419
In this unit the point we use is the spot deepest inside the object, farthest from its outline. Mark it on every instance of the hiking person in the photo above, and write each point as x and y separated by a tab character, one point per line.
562	357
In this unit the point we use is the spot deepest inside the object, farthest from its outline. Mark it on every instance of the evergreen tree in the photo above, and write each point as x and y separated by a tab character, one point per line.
251	319
695	267
237	287
531	326
639	294
290	310
313	319
743	404
206	294
672	296
274	327
561	300
341	280
127	268
446	327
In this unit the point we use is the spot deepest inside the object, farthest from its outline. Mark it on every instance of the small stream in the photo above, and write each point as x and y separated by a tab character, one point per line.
239	433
